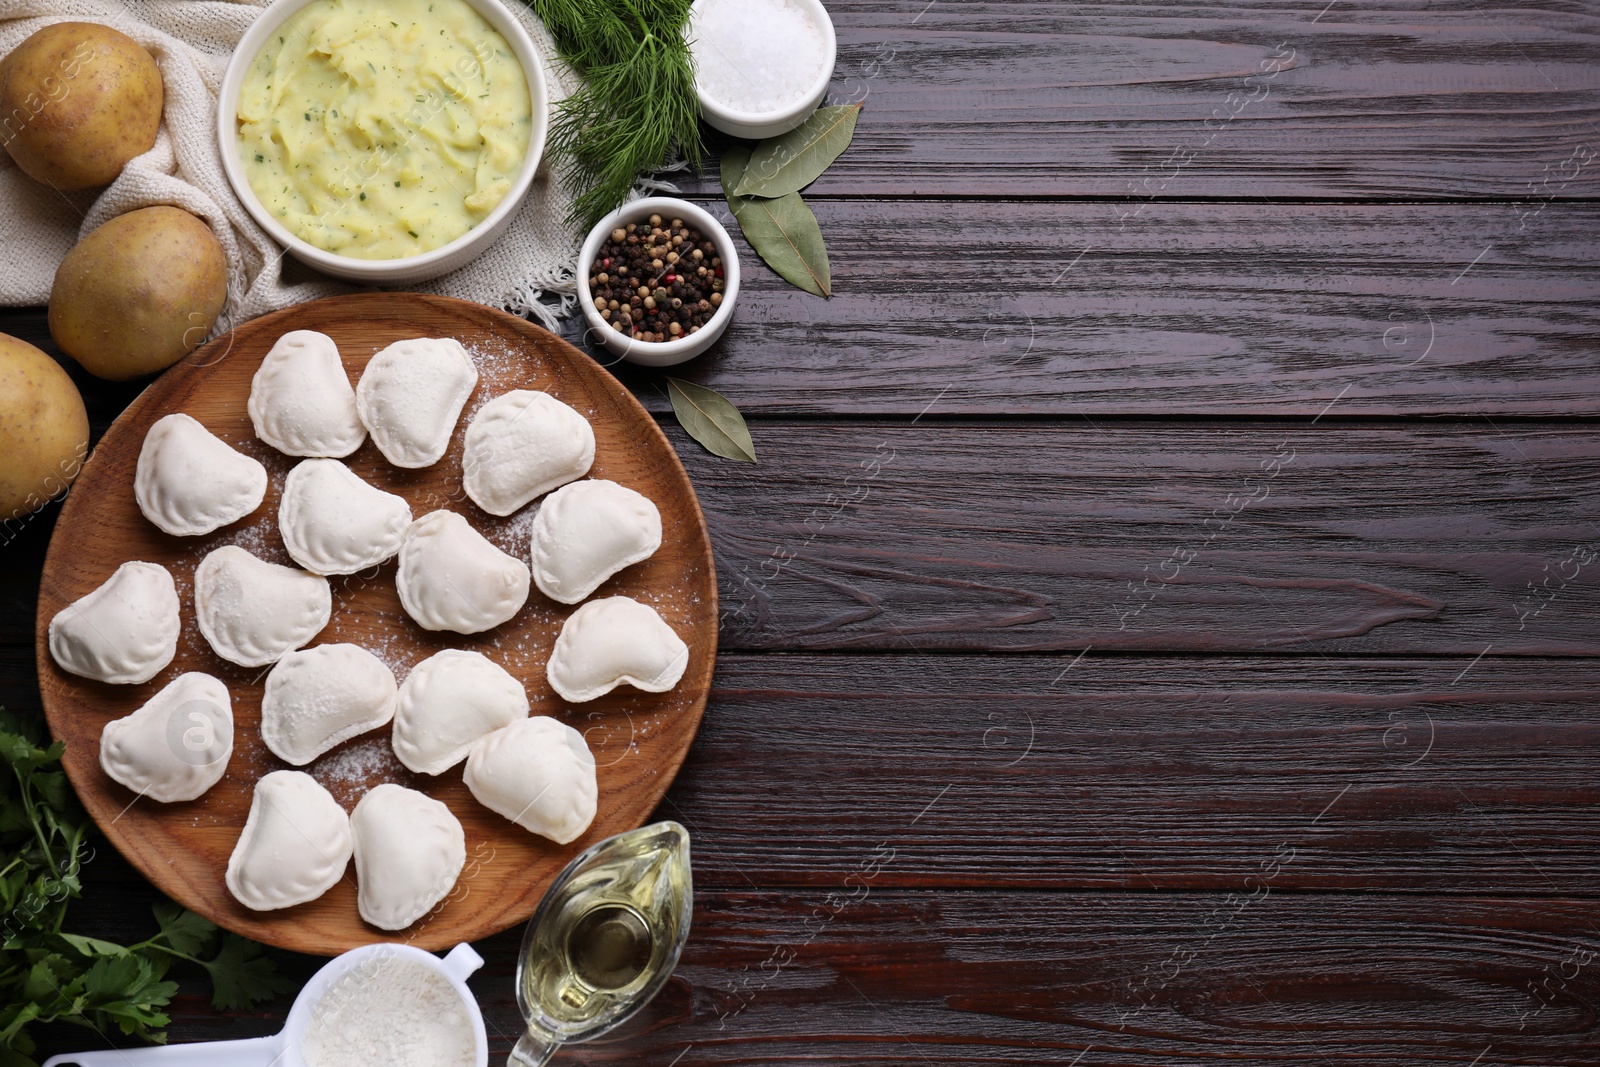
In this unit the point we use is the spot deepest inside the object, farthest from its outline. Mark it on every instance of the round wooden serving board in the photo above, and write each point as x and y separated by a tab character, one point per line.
639	739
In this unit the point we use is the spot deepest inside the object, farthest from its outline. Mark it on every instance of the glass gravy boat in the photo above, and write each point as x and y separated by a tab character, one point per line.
604	940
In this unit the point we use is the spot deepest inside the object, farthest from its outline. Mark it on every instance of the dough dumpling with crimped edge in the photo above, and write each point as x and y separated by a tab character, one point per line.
411	395
295	845
189	481
611	641
177	745
451	577
523	444
540	774
409	852
586	532
301	401
125	632
321	697
447	702
252	611
332	522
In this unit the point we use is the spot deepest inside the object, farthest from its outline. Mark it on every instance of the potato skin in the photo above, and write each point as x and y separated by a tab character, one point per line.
44	429
138	293
77	101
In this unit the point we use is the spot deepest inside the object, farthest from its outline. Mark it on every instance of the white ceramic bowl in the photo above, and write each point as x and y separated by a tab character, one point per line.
412	269
660	353
759	125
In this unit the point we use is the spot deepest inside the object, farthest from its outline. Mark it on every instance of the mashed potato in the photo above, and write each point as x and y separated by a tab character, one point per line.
380	129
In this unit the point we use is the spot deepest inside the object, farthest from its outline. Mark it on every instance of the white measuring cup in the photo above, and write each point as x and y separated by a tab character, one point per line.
283	1048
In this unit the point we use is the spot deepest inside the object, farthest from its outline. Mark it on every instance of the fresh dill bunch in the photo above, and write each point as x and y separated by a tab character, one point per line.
637	107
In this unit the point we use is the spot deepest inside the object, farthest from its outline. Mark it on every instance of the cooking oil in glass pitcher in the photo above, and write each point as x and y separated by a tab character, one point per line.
605	939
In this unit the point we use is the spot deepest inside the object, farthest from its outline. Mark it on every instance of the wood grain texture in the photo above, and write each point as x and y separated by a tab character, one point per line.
1159	537
1130	772
639	739
1121	772
1065	310
1280	814
1374	98
859	972
868	977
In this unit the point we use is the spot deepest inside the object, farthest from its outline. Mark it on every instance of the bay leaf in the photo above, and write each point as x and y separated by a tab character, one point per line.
735	160
710	418
782	230
789	163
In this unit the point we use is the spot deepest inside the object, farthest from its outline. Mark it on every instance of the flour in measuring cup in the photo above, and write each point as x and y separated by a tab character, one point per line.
390	1012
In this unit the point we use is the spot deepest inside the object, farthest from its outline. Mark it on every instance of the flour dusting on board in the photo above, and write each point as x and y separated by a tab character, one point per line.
349	771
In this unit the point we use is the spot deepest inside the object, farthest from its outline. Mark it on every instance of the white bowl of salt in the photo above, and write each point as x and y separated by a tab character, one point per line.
761	66
375	1006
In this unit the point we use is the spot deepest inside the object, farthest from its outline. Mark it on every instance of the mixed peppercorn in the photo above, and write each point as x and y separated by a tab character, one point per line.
656	281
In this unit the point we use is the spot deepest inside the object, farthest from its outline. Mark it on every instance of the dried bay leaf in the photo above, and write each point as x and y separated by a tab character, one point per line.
710	418
782	230
793	161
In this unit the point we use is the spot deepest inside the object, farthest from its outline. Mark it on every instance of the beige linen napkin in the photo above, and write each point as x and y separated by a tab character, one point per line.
529	270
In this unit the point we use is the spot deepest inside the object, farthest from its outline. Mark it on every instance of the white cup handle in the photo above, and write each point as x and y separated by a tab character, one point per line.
461	962
252	1052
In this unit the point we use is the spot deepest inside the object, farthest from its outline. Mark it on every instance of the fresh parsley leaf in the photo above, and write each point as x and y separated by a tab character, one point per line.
186	932
93	946
242	975
127	991
48	975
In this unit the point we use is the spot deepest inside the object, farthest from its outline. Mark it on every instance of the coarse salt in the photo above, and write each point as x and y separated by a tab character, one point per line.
756	56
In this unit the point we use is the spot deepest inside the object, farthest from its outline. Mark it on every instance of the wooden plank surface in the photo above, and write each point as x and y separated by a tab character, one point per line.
1248	98
868	977
1159	537
1137	537
1139	773
858	972
1191	309
1320	789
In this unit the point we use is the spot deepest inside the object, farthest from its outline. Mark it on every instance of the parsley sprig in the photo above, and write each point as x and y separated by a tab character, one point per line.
48	975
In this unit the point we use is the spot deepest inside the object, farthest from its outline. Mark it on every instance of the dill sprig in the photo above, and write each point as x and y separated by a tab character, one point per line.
637	108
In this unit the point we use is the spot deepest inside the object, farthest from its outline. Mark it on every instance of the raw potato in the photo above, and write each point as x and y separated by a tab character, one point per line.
44	429
138	293
81	100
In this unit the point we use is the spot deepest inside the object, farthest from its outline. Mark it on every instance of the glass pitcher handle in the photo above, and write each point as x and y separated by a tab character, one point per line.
532	1051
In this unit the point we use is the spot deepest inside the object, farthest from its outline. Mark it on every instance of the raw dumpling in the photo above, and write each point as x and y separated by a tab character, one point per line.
409	852
447	702
189	481
295	845
125	632
410	396
611	641
539	773
177	745
321	697
452	578
586	532
301	402
523	444
253	611
334	523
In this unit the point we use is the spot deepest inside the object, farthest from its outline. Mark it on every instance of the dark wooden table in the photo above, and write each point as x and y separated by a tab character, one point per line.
1163	627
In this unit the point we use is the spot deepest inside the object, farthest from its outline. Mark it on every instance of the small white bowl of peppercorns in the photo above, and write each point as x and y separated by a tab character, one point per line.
658	280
